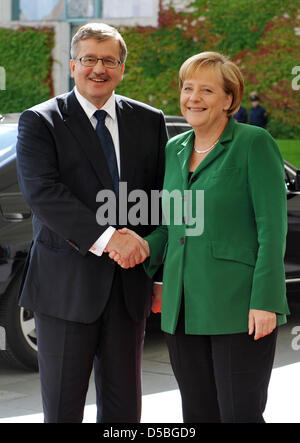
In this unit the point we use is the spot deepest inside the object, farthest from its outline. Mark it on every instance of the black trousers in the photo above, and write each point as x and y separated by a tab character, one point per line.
222	378
67	352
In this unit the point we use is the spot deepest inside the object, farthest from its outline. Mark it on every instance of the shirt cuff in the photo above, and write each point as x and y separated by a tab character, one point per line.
100	244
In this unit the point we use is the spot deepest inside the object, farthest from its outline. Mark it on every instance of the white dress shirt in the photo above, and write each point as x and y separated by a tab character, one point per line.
111	122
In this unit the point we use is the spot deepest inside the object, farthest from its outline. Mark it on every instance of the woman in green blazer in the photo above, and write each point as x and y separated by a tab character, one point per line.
223	279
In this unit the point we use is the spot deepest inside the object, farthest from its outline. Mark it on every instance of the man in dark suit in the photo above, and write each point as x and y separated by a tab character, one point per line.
87	309
241	115
258	114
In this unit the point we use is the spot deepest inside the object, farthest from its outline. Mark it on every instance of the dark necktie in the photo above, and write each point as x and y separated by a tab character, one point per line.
107	145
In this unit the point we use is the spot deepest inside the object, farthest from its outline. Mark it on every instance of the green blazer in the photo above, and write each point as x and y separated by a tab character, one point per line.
235	262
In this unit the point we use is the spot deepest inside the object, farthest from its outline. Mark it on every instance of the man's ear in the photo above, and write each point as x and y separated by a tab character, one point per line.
123	69
72	66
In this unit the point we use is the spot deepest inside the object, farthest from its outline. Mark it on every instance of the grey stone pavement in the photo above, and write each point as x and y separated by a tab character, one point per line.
20	400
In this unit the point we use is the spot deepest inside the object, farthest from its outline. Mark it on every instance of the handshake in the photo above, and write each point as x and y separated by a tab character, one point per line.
127	248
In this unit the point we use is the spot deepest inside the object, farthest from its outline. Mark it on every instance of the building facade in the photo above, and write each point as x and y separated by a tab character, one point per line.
65	16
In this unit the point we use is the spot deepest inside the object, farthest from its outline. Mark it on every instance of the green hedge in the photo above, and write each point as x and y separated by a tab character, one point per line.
259	35
151	73
25	54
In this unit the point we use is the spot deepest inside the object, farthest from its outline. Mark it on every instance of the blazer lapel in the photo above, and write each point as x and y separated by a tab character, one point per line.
81	128
183	156
187	146
219	148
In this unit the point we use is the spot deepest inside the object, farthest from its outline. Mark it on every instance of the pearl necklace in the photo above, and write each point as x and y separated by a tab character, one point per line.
206	150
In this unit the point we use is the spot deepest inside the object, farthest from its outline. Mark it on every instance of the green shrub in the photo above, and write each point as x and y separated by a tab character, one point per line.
25	54
260	36
290	151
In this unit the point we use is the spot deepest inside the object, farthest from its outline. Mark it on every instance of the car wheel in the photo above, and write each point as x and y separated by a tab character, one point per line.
19	344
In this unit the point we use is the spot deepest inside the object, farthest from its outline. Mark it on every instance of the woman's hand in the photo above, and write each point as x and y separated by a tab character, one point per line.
261	322
156	298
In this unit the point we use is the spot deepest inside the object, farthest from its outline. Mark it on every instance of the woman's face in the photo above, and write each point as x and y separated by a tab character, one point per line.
203	101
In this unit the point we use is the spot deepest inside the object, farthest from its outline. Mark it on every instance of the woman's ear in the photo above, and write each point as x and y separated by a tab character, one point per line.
229	99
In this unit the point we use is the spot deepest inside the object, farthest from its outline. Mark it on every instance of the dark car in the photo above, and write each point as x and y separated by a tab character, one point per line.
17	330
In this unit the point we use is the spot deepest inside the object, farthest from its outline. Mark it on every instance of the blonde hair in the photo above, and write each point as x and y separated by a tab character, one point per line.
233	82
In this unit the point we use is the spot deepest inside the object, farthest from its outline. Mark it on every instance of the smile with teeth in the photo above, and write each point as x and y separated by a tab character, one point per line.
197	109
98	80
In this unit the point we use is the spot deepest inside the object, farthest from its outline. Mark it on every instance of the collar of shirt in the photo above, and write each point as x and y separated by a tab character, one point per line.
90	109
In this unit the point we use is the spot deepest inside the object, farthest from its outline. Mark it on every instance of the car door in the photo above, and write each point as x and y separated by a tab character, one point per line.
292	255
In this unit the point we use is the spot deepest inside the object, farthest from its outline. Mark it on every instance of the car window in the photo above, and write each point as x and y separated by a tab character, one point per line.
8	138
175	128
183	128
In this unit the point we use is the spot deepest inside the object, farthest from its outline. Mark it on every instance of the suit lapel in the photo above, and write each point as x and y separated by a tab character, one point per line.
81	128
128	126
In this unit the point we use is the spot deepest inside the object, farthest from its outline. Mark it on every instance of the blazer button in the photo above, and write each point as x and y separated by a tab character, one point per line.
181	241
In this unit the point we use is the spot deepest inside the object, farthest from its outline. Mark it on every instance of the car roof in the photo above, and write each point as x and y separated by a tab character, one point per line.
174	119
9	118
10	121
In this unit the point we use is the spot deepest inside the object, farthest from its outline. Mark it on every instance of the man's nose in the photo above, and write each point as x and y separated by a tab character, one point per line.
99	67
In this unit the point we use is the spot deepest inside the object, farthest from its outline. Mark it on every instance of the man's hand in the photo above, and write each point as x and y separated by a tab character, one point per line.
261	322
127	248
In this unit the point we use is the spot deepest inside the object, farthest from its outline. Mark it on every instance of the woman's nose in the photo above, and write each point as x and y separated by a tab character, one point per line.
196	96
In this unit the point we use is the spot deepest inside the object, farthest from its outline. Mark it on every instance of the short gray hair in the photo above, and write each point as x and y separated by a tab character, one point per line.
100	32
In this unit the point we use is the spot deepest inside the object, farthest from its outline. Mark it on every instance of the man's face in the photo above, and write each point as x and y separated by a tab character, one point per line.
97	83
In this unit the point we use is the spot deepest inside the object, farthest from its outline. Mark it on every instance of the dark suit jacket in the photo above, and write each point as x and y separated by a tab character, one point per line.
61	169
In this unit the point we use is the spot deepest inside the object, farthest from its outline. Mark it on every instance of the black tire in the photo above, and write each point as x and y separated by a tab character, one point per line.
19	345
